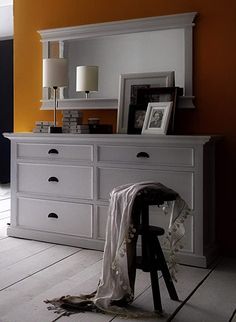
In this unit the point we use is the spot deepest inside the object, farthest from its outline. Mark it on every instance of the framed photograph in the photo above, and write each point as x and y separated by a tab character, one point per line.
136	118
130	84
157	118
161	94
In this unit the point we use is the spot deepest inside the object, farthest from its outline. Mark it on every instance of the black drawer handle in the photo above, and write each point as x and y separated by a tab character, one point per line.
52	215
53	151
143	155
53	179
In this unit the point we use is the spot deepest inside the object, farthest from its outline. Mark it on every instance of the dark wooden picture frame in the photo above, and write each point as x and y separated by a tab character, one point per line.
160	94
136	118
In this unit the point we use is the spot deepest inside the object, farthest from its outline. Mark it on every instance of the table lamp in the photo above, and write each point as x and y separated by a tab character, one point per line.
86	79
54	76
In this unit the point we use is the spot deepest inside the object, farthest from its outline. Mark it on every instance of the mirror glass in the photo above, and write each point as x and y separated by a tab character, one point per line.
124	54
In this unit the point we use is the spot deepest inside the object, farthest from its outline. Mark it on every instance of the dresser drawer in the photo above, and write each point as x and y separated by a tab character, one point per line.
56	180
168	156
55	216
180	181
55	151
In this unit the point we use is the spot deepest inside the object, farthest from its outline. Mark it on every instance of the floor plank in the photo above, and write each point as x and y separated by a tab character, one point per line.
33	264
215	299
3	227
5	204
51	282
4	214
14	250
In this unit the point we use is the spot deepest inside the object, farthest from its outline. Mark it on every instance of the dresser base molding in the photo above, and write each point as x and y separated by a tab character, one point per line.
56	238
61	184
183	258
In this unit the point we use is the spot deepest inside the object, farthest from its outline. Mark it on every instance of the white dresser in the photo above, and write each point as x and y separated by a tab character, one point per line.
60	185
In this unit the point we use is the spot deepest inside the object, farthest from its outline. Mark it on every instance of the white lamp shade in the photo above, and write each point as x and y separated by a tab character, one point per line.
86	78
55	72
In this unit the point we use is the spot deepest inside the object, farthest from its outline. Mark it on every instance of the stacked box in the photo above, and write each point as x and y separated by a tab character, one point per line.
71	118
42	126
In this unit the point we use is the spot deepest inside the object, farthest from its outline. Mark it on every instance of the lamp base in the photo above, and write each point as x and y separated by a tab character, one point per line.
55	129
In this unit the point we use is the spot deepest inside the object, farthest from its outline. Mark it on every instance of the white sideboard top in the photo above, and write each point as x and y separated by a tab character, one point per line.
154	139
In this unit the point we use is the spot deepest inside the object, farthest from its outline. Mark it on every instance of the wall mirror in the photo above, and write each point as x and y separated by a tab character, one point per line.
147	45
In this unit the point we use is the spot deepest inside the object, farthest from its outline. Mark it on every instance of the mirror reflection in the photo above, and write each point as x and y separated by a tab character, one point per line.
123	54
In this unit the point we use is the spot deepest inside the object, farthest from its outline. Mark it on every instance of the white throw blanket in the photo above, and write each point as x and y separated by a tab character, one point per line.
114	284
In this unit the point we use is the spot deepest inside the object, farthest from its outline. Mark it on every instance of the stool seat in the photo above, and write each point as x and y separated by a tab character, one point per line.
152	258
156	196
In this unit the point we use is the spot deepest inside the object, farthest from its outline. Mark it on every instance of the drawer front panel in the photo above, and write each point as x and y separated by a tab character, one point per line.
56	216
56	180
55	151
101	221
180	181
157	218
158	155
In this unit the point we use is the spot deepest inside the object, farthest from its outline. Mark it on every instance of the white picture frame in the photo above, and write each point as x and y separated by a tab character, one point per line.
127	87
157	118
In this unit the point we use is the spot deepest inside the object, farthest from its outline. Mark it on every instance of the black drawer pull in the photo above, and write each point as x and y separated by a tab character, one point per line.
142	155
53	179
52	215
53	151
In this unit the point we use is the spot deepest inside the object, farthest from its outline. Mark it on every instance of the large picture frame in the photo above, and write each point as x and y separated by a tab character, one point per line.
129	86
157	118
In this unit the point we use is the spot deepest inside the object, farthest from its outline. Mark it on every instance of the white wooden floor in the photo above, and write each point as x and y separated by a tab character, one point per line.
32	271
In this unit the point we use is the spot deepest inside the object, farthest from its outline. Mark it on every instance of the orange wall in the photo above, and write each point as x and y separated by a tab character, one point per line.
214	73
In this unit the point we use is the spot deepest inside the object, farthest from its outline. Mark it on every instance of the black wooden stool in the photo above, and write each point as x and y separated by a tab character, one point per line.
152	258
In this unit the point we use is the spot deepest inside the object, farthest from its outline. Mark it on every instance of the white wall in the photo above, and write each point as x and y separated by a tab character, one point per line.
6	19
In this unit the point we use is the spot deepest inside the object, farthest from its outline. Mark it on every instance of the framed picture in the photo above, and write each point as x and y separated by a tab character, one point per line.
136	118
157	118
161	94
129	86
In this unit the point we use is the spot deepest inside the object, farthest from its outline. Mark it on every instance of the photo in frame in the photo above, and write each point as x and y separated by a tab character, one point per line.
130	84
160	94
136	118
157	118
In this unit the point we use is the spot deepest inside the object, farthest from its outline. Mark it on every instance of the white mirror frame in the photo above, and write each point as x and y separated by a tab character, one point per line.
183	21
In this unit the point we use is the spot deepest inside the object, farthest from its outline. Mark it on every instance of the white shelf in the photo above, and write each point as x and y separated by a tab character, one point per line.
82	104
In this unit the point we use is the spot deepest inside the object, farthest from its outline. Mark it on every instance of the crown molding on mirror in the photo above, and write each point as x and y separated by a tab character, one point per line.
184	21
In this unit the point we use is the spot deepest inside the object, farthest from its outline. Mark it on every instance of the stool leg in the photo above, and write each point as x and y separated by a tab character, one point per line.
154	276
165	272
145	240
155	290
